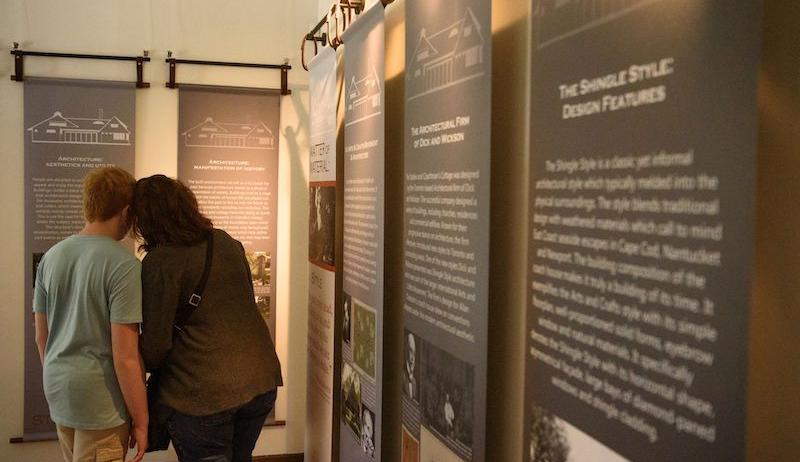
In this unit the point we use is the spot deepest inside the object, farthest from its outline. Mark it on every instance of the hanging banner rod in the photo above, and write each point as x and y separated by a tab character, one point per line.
351	6
173	64
19	62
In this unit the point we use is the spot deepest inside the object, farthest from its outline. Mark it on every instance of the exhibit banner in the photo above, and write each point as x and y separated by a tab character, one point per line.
363	234
71	128
321	256
228	156
641	205
446	232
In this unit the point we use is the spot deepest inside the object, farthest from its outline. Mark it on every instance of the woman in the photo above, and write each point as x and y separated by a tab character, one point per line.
218	374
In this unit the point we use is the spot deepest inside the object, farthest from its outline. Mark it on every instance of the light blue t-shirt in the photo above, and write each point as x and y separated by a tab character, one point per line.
84	283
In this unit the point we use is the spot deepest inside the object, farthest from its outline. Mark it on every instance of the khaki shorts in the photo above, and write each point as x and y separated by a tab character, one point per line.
109	445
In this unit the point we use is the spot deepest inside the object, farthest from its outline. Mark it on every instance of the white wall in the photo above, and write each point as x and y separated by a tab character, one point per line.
246	30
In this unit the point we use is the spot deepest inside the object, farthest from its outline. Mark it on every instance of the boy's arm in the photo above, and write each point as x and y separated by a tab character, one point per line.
42	332
130	375
40	313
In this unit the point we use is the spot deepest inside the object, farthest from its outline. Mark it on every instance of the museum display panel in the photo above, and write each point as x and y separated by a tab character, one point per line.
71	127
641	208
362	335
228	156
321	255
446	234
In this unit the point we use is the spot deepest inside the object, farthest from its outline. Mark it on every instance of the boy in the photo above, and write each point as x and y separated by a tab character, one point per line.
87	309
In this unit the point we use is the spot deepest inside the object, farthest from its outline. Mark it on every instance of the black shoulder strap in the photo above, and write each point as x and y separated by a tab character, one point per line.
187	308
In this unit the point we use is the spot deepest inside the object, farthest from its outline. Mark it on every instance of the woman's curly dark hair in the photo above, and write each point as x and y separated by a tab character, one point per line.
165	212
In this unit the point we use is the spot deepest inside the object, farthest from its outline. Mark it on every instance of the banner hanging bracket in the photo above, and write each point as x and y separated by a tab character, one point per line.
19	62
173	63
319	35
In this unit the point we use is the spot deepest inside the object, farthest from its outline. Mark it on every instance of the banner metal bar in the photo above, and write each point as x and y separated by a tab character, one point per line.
19	62
173	63
227	63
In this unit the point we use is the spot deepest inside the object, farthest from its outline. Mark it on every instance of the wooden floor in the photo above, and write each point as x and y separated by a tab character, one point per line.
281	458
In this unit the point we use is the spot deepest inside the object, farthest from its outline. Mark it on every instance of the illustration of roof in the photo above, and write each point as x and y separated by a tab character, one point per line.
368	86
561	19
81	123
244	130
445	42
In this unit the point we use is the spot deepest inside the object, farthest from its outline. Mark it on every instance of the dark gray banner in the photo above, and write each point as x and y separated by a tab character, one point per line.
71	127
363	260
228	156
642	184
446	236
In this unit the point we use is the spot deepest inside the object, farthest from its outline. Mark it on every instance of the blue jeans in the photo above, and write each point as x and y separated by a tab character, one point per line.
227	436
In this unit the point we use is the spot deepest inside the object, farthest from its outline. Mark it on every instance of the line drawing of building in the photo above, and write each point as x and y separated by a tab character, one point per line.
449	57
320	159
364	97
210	134
59	129
557	20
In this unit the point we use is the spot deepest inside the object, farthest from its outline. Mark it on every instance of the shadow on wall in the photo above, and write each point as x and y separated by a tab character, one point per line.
295	137
773	399
393	237
508	240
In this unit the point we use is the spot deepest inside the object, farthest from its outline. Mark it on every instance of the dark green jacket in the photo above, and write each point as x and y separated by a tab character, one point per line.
225	356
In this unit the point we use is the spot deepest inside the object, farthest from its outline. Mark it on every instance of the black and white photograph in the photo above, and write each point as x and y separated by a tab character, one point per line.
446	387
410	365
262	302
260	263
346	318
321	221
548	439
364	338
351	399
553	439
368	431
